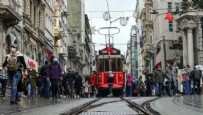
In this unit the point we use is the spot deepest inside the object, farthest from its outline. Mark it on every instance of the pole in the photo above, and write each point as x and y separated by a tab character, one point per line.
164	47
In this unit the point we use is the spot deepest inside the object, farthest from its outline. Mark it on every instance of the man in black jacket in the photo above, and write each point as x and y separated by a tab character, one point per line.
44	76
70	82
15	62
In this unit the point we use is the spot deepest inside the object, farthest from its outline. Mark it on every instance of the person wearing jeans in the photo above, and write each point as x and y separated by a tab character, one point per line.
14	78
15	62
189	76
158	79
4	78
188	90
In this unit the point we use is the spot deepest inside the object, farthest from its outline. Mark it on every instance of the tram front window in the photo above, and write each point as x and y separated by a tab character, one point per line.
103	64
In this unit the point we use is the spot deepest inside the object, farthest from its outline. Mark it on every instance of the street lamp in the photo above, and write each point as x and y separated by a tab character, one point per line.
106	16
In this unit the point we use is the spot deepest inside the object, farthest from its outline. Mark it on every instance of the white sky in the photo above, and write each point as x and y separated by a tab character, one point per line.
96	19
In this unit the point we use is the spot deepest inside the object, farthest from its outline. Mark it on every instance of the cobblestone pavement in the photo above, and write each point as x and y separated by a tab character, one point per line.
183	105
40	106
58	108
115	108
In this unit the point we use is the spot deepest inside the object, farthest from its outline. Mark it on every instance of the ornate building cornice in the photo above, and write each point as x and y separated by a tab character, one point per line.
187	23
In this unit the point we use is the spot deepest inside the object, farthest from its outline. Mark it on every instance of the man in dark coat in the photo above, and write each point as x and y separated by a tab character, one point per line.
158	79
196	80
70	78
78	84
44	71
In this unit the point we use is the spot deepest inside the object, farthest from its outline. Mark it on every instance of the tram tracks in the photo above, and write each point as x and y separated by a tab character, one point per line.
143	109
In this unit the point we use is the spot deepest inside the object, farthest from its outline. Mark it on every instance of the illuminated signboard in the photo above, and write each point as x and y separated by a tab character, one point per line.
109	50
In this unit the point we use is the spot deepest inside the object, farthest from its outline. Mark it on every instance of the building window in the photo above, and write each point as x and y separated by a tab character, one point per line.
35	16
202	27
177	5
30	9
55	22
39	20
150	38
170	6
171	26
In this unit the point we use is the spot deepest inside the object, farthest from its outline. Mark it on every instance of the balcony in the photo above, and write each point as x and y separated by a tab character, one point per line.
57	32
62	51
149	48
149	51
148	3
71	51
149	22
8	12
75	52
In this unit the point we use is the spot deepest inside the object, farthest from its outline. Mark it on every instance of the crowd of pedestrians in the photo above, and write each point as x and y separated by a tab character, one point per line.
166	82
49	82
53	82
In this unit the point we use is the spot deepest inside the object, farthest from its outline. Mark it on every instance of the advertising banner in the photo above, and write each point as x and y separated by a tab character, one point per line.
31	63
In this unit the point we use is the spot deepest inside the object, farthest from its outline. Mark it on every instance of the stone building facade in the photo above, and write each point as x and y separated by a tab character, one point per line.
161	43
190	29
79	49
45	28
24	26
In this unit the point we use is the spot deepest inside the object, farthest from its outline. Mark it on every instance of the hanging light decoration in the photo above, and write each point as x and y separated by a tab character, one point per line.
106	16
169	17
124	21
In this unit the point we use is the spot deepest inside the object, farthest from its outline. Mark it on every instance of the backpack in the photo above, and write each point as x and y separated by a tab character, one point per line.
12	63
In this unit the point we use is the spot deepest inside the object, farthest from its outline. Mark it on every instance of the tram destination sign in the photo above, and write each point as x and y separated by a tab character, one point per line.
109	51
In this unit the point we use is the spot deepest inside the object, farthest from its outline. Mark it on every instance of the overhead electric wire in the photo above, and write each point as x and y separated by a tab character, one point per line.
112	11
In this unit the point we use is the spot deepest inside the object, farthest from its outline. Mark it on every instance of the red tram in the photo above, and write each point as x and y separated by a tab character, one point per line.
109	59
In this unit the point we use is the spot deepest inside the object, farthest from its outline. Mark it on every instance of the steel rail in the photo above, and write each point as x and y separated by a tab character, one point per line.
147	107
77	110
86	106
89	105
137	106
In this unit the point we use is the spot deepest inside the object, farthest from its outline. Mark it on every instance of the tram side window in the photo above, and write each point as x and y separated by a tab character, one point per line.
106	65
100	67
103	65
114	65
119	65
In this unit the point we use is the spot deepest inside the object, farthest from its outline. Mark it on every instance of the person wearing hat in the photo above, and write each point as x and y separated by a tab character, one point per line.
15	62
